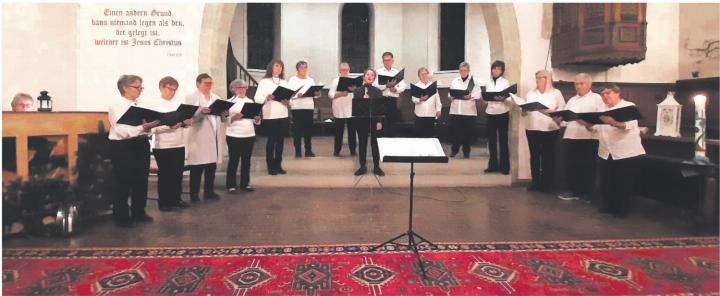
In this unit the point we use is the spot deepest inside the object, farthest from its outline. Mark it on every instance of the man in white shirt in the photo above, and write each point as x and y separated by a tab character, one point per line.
580	142
390	91
620	148
302	109
342	112
130	155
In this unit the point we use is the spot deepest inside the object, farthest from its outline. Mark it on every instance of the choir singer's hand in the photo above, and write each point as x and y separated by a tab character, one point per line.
608	120
352	88
225	113
177	125
237	117
148	125
523	113
318	93
438	114
270	97
391	84
467	97
258	119
557	119
285	102
188	122
341	94
424	98
498	98
378	126
205	110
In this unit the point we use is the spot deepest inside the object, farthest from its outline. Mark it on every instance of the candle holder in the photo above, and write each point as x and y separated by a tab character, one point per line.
700	127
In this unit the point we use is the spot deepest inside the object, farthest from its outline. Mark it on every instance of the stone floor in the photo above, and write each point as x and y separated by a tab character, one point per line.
274	216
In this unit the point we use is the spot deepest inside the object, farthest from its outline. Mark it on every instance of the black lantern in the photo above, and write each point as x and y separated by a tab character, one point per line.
45	102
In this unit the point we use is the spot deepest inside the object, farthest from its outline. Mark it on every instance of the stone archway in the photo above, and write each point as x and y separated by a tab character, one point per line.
215	29
504	38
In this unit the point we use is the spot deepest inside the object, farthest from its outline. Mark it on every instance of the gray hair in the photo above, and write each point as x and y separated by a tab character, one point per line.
464	65
19	97
125	81
548	79
237	82
421	70
344	64
584	76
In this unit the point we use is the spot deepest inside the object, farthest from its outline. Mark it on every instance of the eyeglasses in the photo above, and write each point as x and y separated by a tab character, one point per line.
170	88
140	88
241	87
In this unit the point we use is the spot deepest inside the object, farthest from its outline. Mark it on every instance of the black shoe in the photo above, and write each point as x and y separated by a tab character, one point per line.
143	218
298	154
247	189
272	172
165	209
336	154
194	198
182	205
505	172
491	170
361	171
280	171
211	195
378	171
309	154
124	224
353	153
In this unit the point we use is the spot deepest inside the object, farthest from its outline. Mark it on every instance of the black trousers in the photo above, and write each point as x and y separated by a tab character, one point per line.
617	176
239	151
131	166
542	158
302	129
581	164
340	129
497	133
170	162
462	131
392	116
365	127
276	130
196	172
424	127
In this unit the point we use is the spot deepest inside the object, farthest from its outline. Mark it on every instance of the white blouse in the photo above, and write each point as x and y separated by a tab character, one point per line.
465	107
496	107
341	106
241	128
620	143
123	131
301	103
538	121
271	109
399	87
164	136
430	107
590	102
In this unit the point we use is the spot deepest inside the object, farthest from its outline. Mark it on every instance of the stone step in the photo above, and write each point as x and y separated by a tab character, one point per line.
371	181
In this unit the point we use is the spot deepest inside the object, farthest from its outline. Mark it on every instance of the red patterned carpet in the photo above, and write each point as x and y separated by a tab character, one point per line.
659	266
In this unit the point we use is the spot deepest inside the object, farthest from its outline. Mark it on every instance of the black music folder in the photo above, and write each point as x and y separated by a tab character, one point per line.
251	110
283	93
533	106
310	92
136	115
458	94
383	80
345	82
623	114
489	96
419	92
183	112
220	106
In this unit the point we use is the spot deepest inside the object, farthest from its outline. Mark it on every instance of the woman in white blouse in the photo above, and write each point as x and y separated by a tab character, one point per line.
342	112
302	109
463	111
619	149
498	119
542	131
240	138
274	114
427	108
169	149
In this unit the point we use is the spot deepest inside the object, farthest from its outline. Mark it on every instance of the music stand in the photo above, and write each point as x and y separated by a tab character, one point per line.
411	150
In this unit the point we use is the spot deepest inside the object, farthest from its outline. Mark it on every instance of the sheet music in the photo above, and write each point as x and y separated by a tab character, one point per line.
414	147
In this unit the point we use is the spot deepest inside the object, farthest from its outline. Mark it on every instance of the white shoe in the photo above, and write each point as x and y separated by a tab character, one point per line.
568	196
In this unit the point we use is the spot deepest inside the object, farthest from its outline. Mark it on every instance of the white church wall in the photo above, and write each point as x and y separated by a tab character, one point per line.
699	27
39	52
